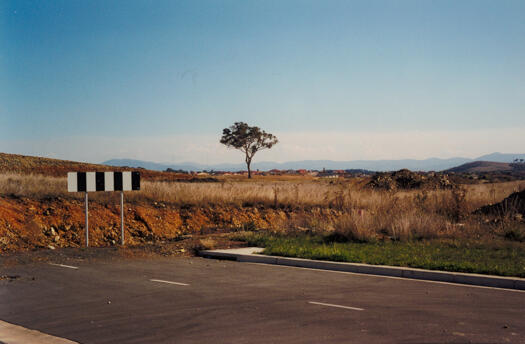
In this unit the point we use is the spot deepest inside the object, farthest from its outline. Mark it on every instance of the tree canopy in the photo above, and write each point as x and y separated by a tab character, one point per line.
247	139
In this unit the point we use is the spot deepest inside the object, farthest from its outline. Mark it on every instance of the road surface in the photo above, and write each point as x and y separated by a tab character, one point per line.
196	300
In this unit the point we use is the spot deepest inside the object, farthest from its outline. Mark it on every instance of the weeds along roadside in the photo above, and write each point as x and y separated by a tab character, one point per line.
361	214
495	258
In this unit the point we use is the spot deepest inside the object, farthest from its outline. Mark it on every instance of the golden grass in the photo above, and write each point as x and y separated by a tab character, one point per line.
33	186
293	193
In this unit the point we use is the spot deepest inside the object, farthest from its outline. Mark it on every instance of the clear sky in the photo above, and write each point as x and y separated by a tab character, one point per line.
342	80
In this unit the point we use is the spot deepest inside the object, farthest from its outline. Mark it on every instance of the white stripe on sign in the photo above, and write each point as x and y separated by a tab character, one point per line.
336	306
168	282
64	266
109	184
126	181
72	182
91	185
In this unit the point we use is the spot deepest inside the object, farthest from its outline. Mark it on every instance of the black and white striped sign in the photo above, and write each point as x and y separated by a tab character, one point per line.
102	181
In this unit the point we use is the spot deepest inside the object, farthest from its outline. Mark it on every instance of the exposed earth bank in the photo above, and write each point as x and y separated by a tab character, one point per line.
27	224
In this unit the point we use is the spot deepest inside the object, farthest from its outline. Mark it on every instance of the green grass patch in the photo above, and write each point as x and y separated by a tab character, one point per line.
498	258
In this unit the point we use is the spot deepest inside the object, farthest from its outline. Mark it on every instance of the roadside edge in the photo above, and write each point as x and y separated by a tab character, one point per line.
251	254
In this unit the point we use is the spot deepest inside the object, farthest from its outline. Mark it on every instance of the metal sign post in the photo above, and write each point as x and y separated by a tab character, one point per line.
122	218
87	222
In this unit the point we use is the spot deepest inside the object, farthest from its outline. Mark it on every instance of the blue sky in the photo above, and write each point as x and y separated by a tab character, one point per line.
342	80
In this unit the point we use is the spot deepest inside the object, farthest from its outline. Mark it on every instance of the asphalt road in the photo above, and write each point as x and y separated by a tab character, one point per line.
211	301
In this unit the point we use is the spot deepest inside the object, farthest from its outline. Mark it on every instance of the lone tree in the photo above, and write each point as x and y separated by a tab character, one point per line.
247	139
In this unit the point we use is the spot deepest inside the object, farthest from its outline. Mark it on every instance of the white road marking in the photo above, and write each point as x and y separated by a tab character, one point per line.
10	333
169	282
392	277
336	306
64	266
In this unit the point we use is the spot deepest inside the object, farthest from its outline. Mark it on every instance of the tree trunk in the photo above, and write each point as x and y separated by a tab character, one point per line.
248	163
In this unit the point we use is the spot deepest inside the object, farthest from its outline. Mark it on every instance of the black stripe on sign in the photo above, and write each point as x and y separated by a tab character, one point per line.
135	180
117	181
81	181
99	181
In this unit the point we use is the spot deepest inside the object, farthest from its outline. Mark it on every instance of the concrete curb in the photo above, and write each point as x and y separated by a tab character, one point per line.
249	254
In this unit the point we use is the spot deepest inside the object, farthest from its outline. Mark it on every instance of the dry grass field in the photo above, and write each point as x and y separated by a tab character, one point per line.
274	191
345	207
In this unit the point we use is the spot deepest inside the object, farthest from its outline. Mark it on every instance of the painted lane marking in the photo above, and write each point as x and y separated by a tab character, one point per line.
169	282
64	266
391	277
336	306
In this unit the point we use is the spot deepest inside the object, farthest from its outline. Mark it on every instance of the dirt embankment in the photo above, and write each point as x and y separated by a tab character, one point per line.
514	205
26	224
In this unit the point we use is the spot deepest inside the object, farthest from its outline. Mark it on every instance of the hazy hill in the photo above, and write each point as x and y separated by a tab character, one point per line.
431	164
155	165
500	157
29	164
481	166
23	164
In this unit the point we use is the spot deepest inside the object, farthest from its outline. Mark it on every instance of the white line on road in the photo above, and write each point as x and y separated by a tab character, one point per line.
336	306
64	266
169	282
390	277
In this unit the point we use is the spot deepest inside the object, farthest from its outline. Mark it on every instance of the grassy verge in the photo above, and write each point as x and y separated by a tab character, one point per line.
502	258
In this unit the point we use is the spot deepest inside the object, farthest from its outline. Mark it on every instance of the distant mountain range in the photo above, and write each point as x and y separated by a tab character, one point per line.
431	164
